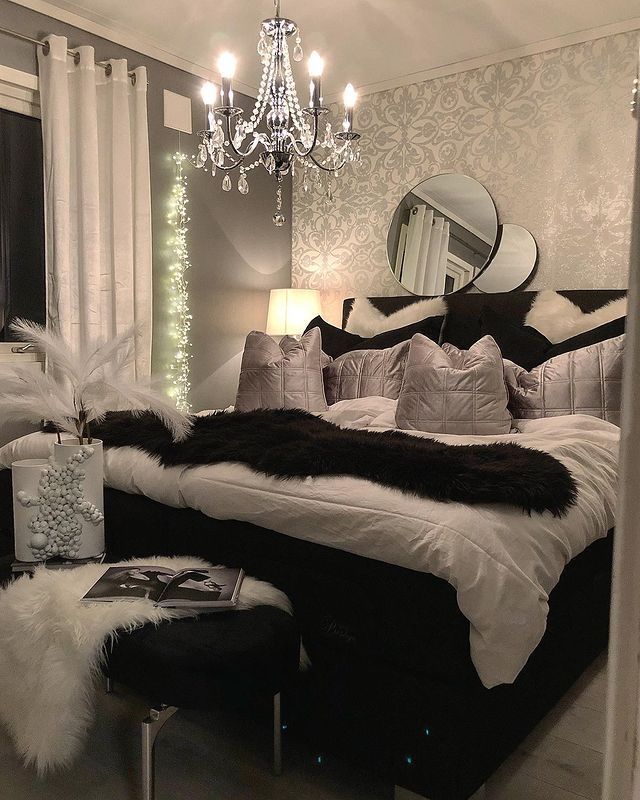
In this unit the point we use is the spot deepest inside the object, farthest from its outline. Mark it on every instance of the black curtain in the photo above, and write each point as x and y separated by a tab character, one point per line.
22	275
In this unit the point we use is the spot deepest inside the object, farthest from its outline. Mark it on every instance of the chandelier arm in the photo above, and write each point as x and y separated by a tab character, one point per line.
238	152
305	153
264	140
230	167
326	169
340	150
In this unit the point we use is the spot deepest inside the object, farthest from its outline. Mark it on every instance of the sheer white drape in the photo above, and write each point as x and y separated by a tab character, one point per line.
422	267
97	198
433	267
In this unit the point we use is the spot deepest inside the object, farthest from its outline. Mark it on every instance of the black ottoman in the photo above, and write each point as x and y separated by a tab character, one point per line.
197	662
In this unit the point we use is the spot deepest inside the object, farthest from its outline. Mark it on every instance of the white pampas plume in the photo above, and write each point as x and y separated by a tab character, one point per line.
26	393
58	352
82	385
120	351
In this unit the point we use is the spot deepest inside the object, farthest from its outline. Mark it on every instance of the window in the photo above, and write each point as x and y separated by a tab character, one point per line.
22	274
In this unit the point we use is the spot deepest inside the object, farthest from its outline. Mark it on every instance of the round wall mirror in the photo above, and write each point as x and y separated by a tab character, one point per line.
442	234
513	263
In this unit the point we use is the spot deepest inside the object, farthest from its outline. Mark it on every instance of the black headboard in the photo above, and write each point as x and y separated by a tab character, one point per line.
468	306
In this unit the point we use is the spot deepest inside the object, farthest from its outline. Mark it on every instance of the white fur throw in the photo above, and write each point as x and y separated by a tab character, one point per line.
557	318
52	646
366	320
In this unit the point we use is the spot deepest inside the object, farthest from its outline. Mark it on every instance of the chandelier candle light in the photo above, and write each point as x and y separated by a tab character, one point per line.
290	134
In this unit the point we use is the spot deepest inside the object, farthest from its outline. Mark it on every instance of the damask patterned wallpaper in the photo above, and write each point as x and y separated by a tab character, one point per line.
549	135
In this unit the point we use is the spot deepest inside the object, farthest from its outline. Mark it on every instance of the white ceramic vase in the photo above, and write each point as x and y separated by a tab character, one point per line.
25	478
92	537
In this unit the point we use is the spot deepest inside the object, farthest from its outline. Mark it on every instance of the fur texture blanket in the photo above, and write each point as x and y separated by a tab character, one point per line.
53	646
296	444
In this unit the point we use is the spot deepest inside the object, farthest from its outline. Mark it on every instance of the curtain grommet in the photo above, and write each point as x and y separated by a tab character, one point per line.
46	49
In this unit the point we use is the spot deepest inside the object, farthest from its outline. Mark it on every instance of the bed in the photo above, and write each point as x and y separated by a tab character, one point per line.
398	682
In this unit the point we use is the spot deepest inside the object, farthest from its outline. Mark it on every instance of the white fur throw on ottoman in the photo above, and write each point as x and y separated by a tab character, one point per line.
52	646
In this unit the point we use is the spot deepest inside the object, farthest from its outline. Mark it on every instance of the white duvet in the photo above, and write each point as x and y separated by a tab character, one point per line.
502	562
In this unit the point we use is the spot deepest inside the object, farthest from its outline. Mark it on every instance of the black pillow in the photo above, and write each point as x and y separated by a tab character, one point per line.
336	342
522	344
607	331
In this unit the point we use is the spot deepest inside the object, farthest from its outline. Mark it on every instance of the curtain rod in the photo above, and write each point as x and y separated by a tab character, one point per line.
46	47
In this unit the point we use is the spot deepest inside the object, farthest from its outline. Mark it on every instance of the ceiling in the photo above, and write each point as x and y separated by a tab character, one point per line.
371	43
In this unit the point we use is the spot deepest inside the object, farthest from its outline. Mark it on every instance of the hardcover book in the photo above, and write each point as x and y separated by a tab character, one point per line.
207	589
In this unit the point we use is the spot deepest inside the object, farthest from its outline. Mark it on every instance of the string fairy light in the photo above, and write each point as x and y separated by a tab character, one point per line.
179	369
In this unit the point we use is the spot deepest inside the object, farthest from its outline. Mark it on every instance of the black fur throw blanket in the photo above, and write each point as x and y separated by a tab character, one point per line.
296	444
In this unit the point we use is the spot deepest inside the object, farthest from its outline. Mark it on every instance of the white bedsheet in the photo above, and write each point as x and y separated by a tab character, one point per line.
502	562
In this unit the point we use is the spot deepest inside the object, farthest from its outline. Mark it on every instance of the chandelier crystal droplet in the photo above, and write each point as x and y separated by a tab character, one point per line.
280	131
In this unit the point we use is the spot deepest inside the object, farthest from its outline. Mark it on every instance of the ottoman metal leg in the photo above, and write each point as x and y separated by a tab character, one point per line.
150	729
277	735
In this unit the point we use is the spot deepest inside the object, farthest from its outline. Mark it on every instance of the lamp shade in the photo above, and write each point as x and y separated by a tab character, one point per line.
291	310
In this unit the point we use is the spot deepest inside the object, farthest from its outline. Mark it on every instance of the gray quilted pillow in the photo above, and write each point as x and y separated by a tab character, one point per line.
585	381
284	375
446	390
366	373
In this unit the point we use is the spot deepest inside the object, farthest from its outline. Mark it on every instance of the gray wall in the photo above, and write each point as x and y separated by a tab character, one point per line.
237	254
549	135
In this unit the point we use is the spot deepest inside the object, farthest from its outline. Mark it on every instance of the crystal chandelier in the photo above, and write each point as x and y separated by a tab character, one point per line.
283	133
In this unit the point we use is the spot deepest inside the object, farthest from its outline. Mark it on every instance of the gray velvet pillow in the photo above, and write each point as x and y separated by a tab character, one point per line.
446	390
366	373
282	375
584	381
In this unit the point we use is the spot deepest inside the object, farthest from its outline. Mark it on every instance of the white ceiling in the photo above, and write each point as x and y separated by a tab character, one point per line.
371	43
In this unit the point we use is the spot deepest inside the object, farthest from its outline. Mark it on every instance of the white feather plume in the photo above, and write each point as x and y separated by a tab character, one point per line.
58	352
27	393
82	385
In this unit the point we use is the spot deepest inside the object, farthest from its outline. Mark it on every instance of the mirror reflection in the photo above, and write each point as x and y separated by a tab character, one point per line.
442	234
513	263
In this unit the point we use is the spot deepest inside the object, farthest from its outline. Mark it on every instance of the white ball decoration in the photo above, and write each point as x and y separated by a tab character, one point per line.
56	528
38	541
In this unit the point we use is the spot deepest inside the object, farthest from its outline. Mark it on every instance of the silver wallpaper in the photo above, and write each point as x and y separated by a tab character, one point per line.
550	136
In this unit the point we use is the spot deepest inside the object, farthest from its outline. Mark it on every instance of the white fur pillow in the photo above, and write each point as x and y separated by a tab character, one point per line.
446	390
284	375
557	318
365	319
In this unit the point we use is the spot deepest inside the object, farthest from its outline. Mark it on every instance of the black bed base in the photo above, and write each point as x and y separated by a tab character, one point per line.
392	685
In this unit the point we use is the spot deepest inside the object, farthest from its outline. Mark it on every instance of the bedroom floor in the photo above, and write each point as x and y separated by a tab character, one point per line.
561	760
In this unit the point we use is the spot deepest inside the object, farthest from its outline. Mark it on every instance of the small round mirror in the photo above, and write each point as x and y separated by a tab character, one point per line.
442	234
513	263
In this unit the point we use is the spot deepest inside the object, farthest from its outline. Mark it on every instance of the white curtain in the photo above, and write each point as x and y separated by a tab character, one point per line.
423	268
97	198
433	276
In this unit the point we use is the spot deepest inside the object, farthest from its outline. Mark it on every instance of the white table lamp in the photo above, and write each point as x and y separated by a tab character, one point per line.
291	310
